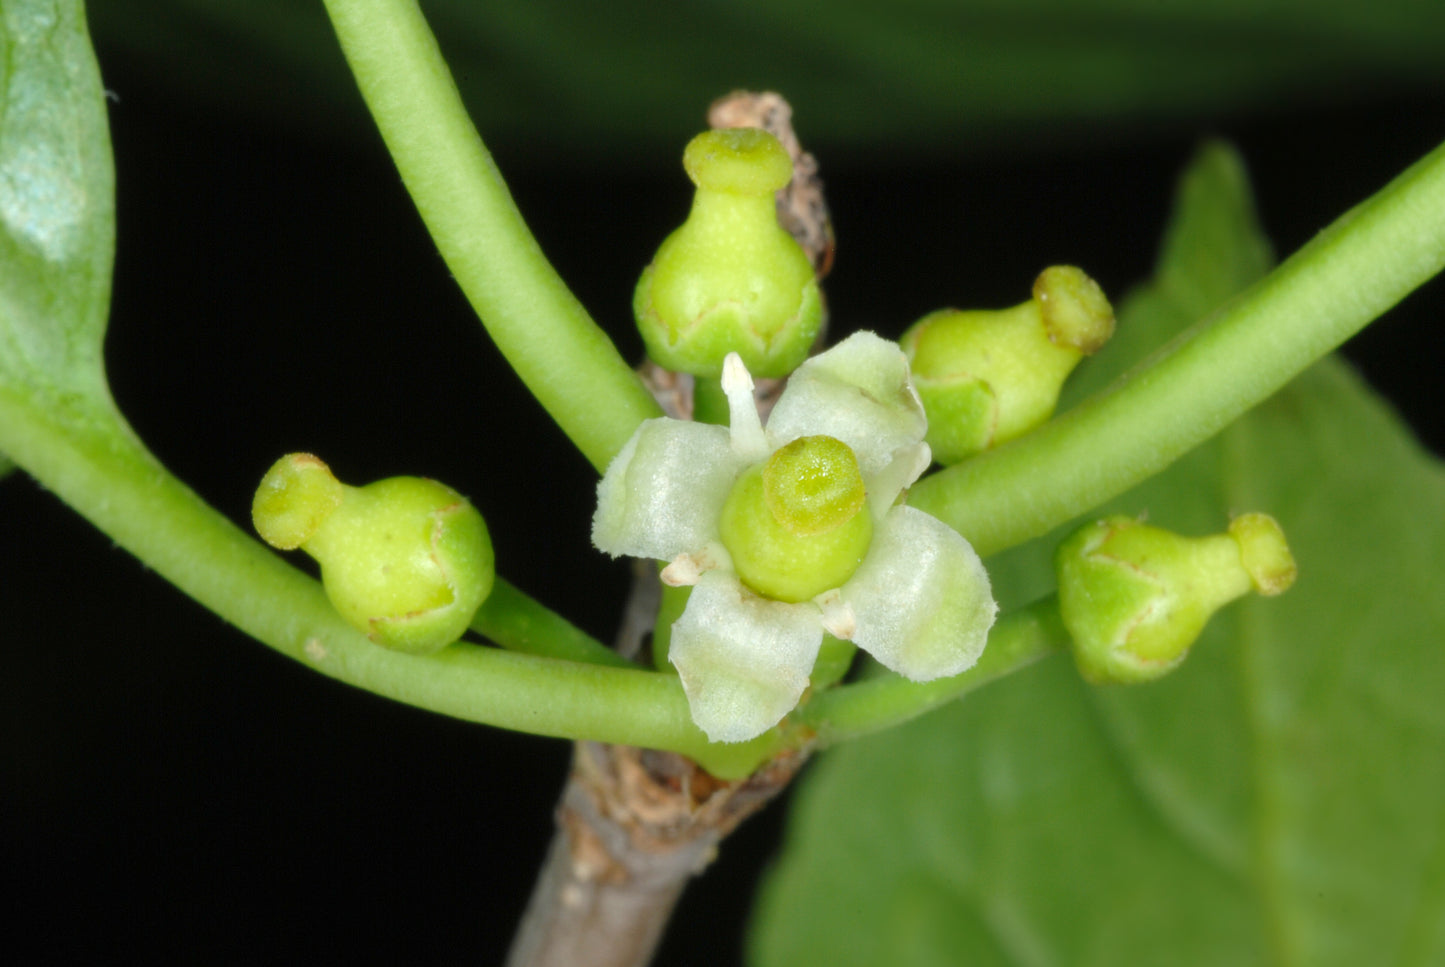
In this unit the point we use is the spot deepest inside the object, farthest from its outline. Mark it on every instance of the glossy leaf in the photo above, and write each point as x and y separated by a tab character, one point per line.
56	204
907	72
1277	800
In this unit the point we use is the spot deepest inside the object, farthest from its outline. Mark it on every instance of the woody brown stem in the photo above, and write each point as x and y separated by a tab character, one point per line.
633	826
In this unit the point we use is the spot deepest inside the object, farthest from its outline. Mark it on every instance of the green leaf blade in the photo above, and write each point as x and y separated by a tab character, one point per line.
1278	800
906	75
57	218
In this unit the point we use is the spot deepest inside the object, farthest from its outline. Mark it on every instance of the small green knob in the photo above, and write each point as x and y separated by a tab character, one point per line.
986	377
1134	598
406	560
730	279
796	525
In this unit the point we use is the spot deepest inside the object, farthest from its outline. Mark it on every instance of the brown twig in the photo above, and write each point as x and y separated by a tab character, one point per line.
634	826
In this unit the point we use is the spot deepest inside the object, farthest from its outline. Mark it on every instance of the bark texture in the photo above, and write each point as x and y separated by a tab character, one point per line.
633	826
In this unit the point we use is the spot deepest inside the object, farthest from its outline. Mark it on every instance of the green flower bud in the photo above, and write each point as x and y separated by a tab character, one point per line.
1134	598
986	377
730	279
406	560
795	525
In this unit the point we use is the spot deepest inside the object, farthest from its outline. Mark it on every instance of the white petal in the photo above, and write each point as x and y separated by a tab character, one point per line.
662	494
906	466
921	598
859	392
744	660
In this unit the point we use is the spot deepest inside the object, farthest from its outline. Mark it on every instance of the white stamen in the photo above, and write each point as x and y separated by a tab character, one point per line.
682	572
685	569
838	618
744	423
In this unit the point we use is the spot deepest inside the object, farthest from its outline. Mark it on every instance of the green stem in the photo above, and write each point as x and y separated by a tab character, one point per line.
1351	273
519	623
709	402
567	362
96	465
674	602
835	660
1018	640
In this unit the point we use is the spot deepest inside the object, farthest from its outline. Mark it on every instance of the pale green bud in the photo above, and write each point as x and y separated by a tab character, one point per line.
730	279
986	377
1134	598
406	560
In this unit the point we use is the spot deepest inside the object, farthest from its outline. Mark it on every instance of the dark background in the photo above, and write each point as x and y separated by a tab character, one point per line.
173	792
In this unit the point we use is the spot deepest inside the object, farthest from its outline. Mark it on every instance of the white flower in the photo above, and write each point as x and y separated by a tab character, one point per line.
919	600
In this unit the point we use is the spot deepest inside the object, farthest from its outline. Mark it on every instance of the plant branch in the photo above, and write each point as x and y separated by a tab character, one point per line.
517	622
1019	639
1350	274
565	359
633	827
101	469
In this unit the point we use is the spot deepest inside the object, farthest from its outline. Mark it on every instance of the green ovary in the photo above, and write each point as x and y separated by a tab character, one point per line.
795	525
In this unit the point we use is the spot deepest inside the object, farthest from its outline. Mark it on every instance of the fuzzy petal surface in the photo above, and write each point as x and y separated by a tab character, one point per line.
744	660
663	492
921	598
859	392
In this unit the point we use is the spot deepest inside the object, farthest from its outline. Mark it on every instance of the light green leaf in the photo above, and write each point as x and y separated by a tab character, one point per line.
1278	800
900	73
57	218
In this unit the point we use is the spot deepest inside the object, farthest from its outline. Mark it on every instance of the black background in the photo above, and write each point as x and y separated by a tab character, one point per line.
176	793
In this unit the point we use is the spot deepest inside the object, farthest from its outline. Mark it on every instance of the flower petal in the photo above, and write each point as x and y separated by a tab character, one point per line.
858	392
907	465
744	660
921	598
663	492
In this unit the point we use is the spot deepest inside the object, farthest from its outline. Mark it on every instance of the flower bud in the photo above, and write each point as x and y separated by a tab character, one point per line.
1134	598
730	279
406	560
986	377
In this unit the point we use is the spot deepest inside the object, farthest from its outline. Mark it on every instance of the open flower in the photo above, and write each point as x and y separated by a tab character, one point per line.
791	531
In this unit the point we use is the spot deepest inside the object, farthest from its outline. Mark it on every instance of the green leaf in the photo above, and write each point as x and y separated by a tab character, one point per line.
1278	800
901	73
57	220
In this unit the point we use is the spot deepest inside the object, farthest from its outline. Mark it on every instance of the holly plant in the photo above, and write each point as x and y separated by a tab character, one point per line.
1102	625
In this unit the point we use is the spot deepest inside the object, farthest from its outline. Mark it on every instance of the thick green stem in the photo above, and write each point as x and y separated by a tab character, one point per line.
1360	266
1018	640
517	622
709	402
567	362
98	467
674	602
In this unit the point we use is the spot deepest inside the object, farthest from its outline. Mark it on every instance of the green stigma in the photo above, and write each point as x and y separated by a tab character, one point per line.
812	485
746	161
795	525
